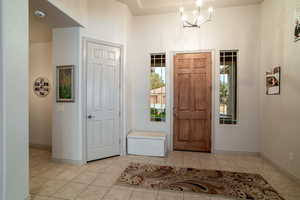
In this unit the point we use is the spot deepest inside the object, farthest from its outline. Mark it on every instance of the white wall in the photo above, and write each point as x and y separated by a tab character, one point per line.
234	28
231	28
66	129
40	108
107	20
75	9
39	31
14	98
40	65
280	114
110	21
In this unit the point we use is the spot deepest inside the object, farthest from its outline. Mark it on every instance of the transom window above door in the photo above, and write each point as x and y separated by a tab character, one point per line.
228	87
158	87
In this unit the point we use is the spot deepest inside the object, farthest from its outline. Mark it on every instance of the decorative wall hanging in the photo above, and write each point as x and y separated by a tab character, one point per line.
41	87
65	84
273	81
297	25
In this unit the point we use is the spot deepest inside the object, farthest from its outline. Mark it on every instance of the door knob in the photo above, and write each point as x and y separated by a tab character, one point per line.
90	117
174	110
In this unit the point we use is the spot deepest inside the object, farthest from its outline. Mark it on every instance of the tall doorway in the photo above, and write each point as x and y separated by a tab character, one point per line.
103	100
192	101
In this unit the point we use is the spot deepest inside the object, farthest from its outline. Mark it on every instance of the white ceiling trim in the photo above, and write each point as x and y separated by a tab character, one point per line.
148	7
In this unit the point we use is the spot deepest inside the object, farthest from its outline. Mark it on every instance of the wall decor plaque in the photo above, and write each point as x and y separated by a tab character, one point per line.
297	25
41	87
273	81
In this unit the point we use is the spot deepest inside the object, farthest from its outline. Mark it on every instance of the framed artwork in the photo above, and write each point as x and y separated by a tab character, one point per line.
273	81
41	87
65	84
297	25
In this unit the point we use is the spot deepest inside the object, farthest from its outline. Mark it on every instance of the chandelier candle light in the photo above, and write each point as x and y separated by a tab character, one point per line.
198	18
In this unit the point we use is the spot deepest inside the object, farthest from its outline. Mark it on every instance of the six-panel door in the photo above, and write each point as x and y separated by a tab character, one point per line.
192	102
103	105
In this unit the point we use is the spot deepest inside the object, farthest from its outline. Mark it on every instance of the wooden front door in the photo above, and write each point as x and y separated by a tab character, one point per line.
192	102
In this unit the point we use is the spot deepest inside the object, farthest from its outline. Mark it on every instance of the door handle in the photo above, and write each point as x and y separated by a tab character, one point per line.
90	117
175	111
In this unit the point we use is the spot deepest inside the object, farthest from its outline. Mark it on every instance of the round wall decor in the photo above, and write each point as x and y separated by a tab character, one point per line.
41	87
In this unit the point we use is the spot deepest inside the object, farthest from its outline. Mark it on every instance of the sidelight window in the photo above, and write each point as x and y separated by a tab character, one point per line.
228	87
158	87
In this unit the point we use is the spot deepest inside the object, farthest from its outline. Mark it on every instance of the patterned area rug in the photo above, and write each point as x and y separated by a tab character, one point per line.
228	184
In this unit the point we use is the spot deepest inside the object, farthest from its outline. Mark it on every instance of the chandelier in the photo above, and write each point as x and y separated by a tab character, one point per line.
198	19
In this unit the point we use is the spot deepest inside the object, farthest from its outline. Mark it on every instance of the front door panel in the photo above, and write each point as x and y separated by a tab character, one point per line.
192	102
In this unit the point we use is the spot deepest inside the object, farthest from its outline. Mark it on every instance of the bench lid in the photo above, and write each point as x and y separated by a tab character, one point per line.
147	134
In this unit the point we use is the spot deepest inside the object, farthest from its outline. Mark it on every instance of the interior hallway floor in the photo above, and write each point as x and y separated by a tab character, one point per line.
95	181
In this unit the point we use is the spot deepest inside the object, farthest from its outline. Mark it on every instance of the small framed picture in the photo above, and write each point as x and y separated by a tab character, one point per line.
65	84
273	81
297	25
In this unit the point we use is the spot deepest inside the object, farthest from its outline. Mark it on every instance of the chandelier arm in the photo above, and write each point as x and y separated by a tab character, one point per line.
193	26
205	21
189	23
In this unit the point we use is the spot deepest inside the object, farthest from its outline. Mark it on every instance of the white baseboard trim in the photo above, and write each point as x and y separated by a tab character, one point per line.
68	161
41	147
236	153
283	171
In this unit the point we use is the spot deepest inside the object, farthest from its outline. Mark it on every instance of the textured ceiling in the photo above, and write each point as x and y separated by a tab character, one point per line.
146	7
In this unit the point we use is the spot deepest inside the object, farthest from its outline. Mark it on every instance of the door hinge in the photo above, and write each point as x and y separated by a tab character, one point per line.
119	140
119	113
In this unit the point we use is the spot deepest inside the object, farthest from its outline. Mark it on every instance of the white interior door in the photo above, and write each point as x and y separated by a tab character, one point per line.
103	101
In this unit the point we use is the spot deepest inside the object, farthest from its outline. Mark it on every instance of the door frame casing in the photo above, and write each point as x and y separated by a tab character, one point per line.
122	126
2	143
213	93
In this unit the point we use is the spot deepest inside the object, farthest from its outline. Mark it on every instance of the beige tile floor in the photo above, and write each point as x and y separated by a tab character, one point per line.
95	181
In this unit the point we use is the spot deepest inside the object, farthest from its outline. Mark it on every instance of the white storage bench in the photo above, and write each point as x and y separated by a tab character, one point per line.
147	143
